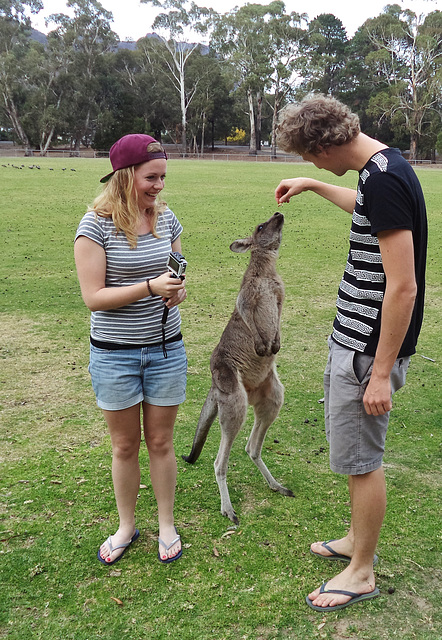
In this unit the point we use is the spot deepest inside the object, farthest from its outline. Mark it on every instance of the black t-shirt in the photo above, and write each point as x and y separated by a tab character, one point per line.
389	196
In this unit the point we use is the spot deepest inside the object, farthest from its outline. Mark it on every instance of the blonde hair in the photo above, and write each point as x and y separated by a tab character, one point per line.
118	200
316	123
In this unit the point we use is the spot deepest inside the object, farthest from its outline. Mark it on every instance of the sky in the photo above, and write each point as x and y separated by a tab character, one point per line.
132	20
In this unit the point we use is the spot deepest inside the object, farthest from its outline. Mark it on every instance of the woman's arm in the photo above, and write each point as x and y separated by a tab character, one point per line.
90	260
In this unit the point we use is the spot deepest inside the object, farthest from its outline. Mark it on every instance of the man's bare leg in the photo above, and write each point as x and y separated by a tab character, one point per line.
368	500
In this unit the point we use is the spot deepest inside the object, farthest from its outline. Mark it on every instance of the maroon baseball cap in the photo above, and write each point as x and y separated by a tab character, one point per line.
131	150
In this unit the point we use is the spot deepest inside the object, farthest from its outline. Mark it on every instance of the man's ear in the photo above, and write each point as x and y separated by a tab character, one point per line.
241	246
324	152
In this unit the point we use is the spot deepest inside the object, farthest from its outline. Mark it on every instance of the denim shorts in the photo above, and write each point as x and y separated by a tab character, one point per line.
357	440
121	378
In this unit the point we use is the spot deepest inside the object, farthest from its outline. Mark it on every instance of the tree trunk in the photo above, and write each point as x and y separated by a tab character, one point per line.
13	116
202	134
252	149
45	145
274	124
258	119
413	147
183	115
75	153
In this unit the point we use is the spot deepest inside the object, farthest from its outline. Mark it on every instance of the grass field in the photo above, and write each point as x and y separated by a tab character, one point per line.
238	583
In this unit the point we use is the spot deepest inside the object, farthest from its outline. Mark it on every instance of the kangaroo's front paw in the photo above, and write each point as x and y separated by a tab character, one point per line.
261	349
276	346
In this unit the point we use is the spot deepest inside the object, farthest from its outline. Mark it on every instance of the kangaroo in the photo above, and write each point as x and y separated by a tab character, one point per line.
243	362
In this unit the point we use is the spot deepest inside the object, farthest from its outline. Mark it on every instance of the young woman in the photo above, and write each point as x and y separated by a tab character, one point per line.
138	364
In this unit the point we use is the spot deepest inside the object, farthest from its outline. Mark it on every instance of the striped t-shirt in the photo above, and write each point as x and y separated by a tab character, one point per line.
139	322
389	197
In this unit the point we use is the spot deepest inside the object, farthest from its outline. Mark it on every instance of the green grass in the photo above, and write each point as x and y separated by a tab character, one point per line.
57	501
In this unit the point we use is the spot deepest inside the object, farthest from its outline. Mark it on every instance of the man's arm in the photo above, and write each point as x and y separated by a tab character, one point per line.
397	307
340	196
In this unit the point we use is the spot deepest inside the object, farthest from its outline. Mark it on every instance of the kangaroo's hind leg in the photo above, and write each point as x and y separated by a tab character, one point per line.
232	411
267	401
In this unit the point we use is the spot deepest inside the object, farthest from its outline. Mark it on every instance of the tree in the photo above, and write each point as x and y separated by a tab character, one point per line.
155	98
171	55
405	67
212	104
326	55
121	108
83	40
287	44
14	44
242	39
39	107
439	143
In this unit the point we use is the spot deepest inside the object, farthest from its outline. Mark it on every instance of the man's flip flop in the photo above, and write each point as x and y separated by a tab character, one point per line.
335	555
355	597
124	546
169	546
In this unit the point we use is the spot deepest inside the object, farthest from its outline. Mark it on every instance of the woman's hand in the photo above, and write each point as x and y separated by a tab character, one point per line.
177	298
172	290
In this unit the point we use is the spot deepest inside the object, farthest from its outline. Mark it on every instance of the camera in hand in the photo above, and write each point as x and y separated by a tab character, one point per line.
177	264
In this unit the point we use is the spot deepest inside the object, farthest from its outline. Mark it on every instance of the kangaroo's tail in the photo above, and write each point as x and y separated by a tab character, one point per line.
207	416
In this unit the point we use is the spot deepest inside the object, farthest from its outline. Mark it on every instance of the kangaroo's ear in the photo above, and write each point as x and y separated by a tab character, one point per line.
241	246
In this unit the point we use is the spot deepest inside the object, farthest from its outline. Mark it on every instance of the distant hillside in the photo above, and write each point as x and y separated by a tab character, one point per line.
39	36
126	44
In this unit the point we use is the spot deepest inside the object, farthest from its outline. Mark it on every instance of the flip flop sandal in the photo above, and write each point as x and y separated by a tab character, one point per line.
169	546
124	546
337	556
355	597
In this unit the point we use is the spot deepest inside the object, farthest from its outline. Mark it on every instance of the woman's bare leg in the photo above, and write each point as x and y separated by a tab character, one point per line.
125	432
158	430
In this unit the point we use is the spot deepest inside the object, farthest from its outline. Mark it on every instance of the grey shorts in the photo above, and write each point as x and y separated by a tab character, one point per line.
357	440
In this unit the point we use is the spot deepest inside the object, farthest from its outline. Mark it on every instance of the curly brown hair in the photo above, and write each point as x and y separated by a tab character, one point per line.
314	124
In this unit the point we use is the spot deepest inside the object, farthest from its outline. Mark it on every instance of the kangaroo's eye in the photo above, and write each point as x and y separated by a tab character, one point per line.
261	227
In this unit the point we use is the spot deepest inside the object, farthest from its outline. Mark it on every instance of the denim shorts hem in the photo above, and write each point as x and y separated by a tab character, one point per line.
119	406
163	402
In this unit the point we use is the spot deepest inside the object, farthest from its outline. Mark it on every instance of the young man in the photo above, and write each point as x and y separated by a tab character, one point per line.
379	316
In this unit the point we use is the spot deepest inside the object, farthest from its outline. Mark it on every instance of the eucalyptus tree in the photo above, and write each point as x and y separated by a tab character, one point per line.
14	46
48	101
287	47
242	41
43	95
83	41
327	54
170	52
155	98
211	110
120	107
405	69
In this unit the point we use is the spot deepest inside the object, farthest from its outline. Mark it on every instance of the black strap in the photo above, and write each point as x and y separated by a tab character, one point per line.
163	329
114	346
